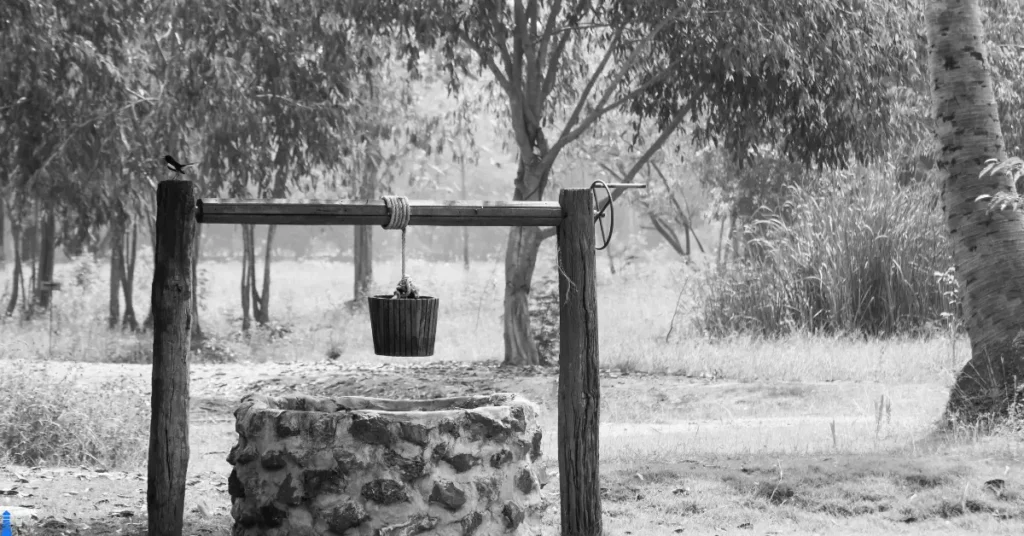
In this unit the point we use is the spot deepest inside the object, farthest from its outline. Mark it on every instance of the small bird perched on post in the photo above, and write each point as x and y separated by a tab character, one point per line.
173	164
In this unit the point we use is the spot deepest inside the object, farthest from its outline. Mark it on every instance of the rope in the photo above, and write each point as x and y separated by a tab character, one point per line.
398	218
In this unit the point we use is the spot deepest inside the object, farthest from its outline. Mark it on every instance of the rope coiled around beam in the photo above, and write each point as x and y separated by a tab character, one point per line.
398	218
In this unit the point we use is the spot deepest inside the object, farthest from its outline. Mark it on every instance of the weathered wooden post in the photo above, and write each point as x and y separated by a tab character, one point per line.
172	329
578	383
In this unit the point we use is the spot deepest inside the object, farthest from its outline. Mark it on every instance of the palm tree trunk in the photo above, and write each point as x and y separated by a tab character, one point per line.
988	249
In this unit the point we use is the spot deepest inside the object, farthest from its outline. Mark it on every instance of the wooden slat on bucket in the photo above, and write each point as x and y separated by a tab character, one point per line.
403	327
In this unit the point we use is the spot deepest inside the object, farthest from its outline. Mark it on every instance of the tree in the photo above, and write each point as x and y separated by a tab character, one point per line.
265	91
60	79
987	244
744	73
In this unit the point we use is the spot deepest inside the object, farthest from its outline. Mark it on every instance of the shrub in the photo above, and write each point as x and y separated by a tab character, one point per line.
43	421
858	258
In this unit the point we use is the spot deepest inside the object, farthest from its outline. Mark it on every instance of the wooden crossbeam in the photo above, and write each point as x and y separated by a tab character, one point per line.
445	213
578	385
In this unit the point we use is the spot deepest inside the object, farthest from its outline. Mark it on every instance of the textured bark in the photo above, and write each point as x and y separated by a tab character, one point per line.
988	249
18	277
172	311
247	260
252	295
579	386
520	262
116	268
362	260
362	243
264	296
47	251
148	322
3	232
131	248
197	332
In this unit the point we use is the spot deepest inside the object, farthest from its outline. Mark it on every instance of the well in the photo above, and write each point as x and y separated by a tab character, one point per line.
375	467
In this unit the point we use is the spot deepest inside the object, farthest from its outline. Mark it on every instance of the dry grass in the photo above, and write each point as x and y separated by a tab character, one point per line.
635	308
856	256
802	435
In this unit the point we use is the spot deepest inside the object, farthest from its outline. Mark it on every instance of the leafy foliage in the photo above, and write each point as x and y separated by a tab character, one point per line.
817	80
1004	32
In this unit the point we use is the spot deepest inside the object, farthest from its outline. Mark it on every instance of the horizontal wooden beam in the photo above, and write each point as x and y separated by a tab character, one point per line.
447	213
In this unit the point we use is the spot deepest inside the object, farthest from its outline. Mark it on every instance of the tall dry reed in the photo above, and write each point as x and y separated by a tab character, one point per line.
859	257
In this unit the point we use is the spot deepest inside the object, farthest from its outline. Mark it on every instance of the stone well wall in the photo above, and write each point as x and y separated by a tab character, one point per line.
352	466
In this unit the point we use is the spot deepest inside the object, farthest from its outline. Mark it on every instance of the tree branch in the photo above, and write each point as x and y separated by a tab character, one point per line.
585	94
544	40
598	112
685	216
567	135
518	28
644	158
532	83
488	59
653	148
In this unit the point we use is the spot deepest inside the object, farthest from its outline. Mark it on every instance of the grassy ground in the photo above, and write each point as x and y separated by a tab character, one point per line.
799	436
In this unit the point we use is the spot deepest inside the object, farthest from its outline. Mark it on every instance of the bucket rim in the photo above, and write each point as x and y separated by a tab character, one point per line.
390	297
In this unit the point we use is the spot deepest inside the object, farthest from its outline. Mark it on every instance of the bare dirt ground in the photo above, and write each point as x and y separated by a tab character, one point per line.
679	455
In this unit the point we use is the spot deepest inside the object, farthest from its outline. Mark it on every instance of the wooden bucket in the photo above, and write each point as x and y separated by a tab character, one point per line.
403	327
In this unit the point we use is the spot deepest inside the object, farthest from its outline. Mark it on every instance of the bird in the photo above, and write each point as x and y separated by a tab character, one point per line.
173	164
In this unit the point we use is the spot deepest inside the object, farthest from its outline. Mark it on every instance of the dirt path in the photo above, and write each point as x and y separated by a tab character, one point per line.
637	409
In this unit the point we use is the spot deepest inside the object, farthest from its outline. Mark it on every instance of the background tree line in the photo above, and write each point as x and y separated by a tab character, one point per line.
323	99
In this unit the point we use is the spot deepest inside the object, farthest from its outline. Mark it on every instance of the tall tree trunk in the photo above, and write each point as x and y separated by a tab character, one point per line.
47	252
263	311
362	260
148	322
3	231
117	224
465	230
988	249
254	291
197	332
520	261
362	242
130	249
734	233
247	248
720	255
17	278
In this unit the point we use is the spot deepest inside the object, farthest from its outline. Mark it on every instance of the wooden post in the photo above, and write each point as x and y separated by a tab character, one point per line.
172	328
578	383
